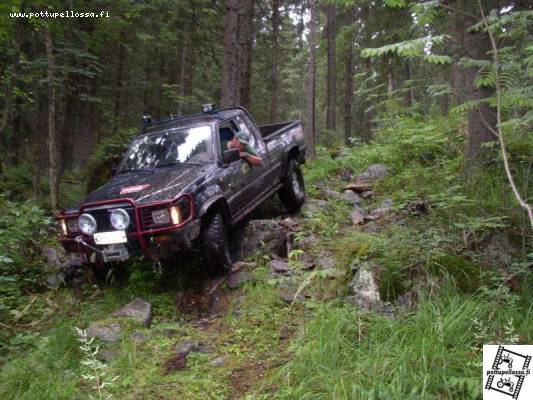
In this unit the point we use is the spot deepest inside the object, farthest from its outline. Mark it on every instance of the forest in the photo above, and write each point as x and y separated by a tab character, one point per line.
413	249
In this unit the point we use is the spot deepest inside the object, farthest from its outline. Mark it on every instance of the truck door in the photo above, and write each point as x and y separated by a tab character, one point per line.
255	177
231	180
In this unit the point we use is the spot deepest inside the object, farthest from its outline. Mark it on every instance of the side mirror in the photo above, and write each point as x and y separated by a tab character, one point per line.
230	156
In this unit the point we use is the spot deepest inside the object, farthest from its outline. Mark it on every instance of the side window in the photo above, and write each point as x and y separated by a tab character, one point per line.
226	131
244	126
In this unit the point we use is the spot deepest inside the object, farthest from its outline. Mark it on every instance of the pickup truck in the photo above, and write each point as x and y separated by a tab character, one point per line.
180	186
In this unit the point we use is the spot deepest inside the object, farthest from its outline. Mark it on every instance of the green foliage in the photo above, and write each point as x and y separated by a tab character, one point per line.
23	226
412	48
107	156
388	358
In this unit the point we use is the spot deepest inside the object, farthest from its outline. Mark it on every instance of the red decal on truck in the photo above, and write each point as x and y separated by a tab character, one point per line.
133	189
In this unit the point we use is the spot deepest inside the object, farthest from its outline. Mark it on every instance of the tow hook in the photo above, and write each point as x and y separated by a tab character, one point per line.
157	267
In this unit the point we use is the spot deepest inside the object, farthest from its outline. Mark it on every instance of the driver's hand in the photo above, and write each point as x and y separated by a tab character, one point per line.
243	154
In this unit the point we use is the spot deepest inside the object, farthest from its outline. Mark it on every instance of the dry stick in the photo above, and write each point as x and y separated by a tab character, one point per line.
510	178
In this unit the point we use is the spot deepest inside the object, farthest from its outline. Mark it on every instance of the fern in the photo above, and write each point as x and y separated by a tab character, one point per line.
411	48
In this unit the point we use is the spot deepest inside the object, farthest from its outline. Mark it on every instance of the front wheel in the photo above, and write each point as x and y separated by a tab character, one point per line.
292	193
215	243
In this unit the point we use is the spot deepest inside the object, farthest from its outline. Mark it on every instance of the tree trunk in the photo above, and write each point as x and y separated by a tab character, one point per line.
238	42
311	128
348	93
332	71
52	143
274	77
482	118
246	40
230	71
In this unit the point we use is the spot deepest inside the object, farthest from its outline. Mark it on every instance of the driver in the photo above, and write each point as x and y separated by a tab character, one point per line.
241	142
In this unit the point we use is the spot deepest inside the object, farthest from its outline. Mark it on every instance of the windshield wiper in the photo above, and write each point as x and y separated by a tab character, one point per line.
178	163
134	170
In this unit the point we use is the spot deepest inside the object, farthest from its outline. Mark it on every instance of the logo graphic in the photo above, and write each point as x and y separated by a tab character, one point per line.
133	189
506	372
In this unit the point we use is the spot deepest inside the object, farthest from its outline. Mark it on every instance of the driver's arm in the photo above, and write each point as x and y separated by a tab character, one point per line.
252	159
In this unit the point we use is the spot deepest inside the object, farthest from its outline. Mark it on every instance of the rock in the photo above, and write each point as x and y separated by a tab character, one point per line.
105	331
50	256
289	223
351	197
375	172
416	207
268	235
308	242
325	260
358	188
313	206
138	309
139	337
367	194
364	288
346	175
332	194
176	362
71	266
357	217
378	213
219	361
185	348
290	298
236	279
55	280
278	267
243	266
308	262
107	355
387	203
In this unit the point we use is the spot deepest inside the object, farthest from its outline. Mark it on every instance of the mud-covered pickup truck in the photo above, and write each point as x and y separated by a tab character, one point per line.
181	186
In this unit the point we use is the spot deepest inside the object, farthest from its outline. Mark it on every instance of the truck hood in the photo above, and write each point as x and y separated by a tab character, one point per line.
146	187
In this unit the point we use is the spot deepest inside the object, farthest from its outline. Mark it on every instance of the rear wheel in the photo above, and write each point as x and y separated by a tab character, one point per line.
215	243
292	194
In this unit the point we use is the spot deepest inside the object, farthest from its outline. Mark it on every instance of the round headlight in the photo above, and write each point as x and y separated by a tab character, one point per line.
120	219
87	224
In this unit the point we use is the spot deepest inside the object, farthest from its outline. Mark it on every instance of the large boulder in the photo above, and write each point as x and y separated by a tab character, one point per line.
264	234
138	309
106	331
364	288
375	172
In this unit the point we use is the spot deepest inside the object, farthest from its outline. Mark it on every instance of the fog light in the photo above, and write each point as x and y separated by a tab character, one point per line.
87	224
120	219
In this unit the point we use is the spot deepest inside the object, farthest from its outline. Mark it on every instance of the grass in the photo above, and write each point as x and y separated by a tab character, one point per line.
434	353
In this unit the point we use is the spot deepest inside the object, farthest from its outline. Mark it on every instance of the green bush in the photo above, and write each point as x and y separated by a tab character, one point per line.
23	226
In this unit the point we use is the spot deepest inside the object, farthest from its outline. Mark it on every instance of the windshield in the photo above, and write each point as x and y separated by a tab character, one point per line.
190	145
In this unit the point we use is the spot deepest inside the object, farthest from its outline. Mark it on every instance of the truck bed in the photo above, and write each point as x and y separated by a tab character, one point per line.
269	131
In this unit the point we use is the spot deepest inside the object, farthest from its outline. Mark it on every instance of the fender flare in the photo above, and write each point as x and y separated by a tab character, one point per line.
219	198
293	152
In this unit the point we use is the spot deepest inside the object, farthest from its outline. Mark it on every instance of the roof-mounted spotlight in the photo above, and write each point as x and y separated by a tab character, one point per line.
147	119
208	108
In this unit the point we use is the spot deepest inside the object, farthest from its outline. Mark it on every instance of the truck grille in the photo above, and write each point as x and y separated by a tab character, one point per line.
101	215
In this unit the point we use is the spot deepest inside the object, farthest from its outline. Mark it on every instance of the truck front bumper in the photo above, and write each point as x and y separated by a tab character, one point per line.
153	245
